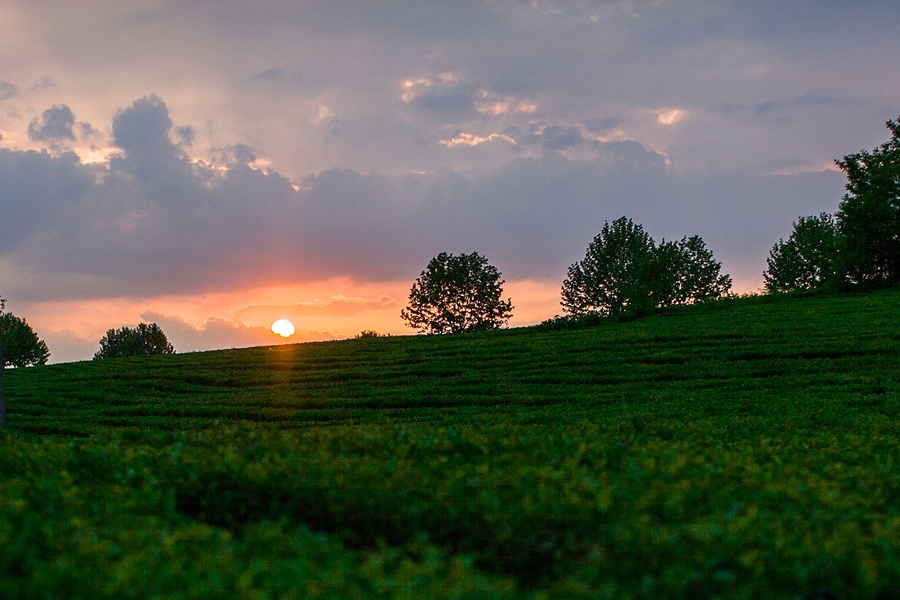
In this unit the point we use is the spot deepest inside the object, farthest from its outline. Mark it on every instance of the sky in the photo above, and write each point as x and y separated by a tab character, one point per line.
215	165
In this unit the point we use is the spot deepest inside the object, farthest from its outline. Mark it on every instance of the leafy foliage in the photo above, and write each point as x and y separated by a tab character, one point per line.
625	272
869	215
143	340
456	294
2	372
688	273
21	345
809	259
743	448
566	323
616	273
368	334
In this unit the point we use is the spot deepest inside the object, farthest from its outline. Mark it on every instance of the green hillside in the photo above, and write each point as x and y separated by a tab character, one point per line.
747	448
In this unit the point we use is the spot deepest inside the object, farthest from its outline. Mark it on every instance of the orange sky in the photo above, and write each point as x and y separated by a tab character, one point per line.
331	309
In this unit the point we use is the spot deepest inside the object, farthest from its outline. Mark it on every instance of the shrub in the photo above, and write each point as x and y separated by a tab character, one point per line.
143	340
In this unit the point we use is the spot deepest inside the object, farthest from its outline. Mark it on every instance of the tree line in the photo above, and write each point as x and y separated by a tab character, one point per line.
20	346
859	245
625	273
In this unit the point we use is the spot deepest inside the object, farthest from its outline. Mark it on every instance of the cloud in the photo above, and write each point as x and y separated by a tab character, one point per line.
55	124
594	125
809	99
186	134
7	90
335	307
451	97
461	138
216	332
67	346
405	22
490	103
362	139
44	83
235	154
555	137
39	193
592	134
88	130
213	333
153	221
452	106
817	98
143	129
273	74
670	116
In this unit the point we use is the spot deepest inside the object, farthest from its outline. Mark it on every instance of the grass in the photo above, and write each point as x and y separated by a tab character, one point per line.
742	449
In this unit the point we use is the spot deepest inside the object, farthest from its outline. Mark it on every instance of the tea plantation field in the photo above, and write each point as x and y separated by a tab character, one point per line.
744	449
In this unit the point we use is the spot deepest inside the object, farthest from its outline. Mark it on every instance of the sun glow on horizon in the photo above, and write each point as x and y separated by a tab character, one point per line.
283	327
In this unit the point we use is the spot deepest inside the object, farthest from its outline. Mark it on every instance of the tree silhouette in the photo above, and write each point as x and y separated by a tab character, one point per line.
456	294
2	391
22	346
687	273
615	275
625	272
143	340
869	215
809	259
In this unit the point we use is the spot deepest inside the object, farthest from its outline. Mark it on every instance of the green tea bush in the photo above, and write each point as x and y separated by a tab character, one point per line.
748	451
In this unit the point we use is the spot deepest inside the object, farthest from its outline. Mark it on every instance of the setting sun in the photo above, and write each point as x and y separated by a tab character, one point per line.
283	327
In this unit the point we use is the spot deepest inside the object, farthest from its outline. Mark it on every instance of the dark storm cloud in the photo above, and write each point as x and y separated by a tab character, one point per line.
55	124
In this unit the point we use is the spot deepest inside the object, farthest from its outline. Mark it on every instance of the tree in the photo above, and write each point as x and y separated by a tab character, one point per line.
809	259
2	391
21	345
869	215
625	272
615	275
143	340
456	294
688	273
